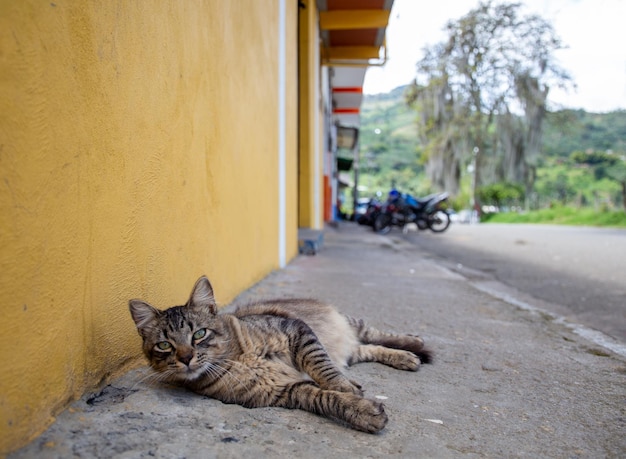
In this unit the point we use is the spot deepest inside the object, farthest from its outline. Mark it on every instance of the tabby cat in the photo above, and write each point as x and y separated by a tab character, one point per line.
286	353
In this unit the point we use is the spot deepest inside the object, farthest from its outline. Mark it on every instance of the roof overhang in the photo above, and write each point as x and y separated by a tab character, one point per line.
353	39
353	31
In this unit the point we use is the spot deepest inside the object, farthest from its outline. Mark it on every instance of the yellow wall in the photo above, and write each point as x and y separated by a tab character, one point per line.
138	150
310	168
292	127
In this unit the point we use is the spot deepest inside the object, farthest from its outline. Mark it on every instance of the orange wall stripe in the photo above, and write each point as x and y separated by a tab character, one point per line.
346	110
354	89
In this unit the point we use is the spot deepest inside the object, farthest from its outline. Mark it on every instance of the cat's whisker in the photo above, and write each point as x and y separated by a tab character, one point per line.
216	366
149	379
213	370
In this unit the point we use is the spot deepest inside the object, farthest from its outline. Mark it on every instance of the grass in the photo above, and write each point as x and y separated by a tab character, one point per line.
562	216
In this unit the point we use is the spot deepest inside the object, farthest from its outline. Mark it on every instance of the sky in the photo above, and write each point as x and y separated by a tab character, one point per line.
594	32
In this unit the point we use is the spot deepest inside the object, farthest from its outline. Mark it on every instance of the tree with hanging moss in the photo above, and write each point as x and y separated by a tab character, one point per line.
481	96
605	165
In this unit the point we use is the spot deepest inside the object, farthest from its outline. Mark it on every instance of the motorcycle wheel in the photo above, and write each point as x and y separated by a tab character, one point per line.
382	223
421	223
439	221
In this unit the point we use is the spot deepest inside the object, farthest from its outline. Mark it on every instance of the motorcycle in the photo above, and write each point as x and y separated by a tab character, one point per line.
367	218
429	212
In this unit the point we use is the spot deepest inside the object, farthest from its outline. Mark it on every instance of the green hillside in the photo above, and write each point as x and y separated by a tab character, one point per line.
389	147
390	154
570	130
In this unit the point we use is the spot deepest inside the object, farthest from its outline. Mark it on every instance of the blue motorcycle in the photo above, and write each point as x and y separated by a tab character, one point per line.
429	212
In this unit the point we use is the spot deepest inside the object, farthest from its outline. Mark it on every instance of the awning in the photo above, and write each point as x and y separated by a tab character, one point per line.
353	38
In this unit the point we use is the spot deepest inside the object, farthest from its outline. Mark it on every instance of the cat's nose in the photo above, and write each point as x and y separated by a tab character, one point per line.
185	357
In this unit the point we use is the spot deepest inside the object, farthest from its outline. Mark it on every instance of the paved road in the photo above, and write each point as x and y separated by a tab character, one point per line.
580	272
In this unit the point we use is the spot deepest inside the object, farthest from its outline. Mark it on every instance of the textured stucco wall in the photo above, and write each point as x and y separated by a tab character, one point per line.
310	210
138	150
292	128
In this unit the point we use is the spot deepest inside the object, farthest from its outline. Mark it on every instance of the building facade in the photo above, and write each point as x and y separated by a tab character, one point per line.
143	144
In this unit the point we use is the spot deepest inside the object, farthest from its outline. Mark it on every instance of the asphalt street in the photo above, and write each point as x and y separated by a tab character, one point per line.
577	272
507	382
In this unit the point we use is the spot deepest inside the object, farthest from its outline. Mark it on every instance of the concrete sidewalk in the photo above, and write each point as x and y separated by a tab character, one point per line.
507	381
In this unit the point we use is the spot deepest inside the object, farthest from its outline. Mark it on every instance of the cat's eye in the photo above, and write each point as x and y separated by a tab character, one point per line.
198	335
164	346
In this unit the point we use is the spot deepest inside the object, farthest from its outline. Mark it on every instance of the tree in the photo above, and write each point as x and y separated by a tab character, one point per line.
501	194
484	90
606	165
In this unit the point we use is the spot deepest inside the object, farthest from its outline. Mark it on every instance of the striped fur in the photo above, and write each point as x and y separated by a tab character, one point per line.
285	353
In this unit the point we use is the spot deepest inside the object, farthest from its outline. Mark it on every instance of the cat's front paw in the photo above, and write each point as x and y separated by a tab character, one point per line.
369	416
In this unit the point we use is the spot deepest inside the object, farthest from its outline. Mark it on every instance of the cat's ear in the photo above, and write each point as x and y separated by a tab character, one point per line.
202	296
143	314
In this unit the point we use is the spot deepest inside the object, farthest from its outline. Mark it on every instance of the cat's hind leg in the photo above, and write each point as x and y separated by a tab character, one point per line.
369	335
396	358
310	357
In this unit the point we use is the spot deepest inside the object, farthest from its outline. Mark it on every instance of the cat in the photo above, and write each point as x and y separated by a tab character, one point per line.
285	353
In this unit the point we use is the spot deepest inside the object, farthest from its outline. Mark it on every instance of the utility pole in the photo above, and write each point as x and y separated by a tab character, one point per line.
355	167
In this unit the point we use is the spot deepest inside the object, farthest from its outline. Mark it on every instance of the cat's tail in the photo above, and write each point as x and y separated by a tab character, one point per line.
411	343
425	355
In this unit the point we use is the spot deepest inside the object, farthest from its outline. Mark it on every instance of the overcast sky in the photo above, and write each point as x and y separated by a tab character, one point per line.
593	30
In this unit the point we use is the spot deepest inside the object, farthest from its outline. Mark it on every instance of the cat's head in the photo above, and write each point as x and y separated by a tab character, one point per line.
181	342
